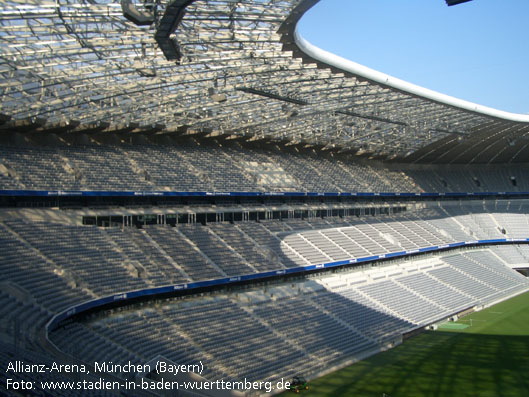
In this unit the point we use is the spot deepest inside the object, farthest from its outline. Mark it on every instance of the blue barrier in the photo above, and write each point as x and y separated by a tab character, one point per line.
83	193
83	307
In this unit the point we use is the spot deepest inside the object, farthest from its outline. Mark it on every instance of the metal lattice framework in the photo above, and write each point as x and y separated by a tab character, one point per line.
237	70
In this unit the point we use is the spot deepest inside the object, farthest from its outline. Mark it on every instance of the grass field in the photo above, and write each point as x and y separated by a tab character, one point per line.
490	357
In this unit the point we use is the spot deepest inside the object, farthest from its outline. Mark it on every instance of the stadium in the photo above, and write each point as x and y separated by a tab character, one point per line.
196	201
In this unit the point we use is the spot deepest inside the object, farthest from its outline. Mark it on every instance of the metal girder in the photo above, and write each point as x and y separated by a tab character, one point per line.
81	66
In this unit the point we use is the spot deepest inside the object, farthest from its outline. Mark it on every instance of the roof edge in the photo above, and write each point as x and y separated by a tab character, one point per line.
357	69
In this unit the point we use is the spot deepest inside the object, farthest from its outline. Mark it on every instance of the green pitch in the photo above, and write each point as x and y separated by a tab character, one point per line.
451	326
488	355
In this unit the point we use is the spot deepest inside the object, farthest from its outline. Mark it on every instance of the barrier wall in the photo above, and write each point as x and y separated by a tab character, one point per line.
84	193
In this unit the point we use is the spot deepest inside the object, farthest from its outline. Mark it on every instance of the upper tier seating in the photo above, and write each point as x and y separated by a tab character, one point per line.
194	167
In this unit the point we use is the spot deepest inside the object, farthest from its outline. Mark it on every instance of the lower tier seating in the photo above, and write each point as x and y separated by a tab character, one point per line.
305	327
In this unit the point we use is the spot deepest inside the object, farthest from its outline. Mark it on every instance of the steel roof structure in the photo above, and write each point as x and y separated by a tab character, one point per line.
232	68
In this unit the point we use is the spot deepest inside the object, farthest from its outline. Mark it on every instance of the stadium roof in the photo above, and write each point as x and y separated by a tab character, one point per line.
228	68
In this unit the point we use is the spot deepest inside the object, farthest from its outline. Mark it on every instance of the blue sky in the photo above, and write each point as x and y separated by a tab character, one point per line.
477	51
